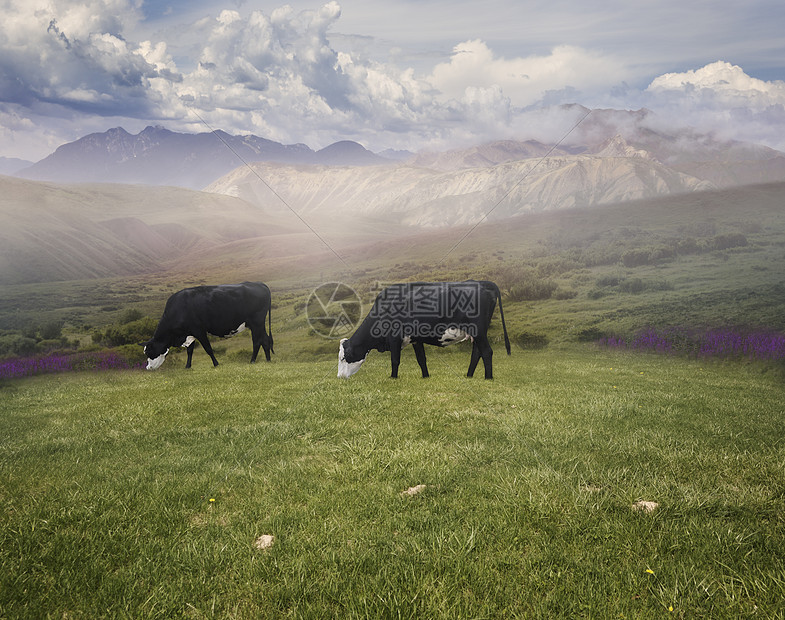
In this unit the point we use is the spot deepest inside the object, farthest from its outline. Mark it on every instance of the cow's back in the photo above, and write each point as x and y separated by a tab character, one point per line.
218	309
468	300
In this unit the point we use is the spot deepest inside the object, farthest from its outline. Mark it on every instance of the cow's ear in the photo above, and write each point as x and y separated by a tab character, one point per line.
144	344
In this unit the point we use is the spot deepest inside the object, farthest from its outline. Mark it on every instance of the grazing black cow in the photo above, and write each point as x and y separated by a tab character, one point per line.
419	313
222	310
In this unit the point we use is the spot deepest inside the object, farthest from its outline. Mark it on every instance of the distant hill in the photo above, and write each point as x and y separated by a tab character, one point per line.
424	197
12	165
50	232
55	232
157	156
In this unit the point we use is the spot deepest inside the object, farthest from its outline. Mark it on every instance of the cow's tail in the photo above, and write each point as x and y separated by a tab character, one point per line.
504	325
270	327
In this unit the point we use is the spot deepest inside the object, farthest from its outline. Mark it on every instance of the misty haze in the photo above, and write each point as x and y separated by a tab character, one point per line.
612	175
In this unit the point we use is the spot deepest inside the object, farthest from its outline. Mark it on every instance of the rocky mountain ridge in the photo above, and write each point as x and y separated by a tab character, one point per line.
426	197
157	156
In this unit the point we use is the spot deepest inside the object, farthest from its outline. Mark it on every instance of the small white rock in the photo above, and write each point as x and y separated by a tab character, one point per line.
265	541
644	506
414	490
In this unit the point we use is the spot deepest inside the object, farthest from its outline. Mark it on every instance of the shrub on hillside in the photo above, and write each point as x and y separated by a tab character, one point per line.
522	283
649	255
527	340
637	285
687	245
633	285
608	281
635	258
732	240
556	265
532	290
131	315
590	334
127	333
51	330
564	294
606	254
16	344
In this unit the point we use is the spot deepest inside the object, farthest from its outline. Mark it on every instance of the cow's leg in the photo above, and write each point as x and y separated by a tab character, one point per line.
190	351
487	356
261	339
267	343
419	351
263	342
256	344
207	348
395	356
475	358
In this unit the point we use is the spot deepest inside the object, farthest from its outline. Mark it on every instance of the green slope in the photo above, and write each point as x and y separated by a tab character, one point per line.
709	258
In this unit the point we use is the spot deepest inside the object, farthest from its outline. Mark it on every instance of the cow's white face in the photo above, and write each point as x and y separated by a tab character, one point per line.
154	364
347	369
452	335
156	354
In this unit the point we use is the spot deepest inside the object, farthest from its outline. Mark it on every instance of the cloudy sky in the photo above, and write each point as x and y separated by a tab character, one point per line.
402	74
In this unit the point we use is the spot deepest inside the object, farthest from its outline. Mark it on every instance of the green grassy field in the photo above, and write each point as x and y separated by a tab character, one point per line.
135	494
140	494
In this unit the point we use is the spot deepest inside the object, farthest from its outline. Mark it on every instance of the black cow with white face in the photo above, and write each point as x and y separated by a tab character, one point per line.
221	310
420	313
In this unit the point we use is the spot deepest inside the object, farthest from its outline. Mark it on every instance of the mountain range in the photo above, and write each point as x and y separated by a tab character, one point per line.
157	156
421	196
115	204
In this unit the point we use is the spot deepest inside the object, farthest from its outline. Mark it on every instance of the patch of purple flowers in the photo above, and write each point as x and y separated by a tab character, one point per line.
29	366
723	343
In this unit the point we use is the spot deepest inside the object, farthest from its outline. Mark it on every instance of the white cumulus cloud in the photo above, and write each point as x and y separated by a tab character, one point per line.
68	68
720	97
721	82
525	80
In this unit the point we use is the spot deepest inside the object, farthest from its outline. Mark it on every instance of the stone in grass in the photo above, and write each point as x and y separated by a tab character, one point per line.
645	506
265	541
413	490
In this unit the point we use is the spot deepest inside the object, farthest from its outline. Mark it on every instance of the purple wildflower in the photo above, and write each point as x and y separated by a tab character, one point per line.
722	343
37	365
